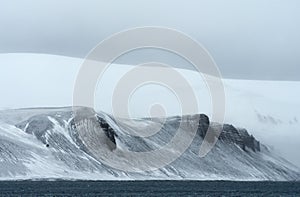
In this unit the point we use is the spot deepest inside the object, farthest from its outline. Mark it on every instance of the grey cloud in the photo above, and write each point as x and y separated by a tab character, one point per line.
249	39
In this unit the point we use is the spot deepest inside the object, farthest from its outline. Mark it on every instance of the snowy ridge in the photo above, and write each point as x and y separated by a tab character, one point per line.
268	109
49	143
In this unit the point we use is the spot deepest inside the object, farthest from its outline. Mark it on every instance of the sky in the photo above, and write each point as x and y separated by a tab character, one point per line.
250	39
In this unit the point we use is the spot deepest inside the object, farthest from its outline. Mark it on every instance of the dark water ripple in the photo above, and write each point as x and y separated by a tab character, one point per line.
148	188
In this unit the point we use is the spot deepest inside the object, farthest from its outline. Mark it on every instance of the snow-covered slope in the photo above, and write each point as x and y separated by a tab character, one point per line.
49	143
267	109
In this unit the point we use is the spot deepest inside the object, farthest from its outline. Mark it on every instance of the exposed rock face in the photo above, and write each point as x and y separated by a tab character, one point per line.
240	137
87	125
109	132
230	134
203	125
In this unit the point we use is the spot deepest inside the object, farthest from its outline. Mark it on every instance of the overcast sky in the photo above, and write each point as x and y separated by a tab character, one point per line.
251	39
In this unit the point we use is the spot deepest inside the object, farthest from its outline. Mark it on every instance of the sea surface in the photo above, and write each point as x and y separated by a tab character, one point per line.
148	188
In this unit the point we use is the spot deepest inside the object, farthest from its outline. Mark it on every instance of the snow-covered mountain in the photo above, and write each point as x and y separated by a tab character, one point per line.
267	109
50	143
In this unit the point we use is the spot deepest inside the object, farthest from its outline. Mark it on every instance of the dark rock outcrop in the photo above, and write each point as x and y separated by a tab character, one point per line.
109	132
229	134
240	137
203	125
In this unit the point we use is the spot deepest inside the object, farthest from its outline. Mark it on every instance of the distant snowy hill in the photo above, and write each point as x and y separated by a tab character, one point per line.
49	143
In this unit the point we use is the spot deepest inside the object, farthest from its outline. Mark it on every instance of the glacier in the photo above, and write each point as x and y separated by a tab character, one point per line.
47	143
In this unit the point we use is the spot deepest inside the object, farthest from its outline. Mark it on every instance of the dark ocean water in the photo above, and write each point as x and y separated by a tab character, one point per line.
148	188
